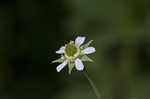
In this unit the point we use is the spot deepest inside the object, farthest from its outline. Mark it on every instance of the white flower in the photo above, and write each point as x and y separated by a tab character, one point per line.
74	53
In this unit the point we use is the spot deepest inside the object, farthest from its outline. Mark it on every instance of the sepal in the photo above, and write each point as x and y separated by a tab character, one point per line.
86	58
60	60
87	44
70	66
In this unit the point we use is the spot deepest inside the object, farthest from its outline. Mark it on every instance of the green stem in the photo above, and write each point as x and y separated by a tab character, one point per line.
92	85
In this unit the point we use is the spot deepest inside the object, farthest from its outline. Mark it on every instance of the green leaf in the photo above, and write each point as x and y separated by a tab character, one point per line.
60	60
86	58
70	65
87	44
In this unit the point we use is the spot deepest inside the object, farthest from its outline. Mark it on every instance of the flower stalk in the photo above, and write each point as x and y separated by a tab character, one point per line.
97	93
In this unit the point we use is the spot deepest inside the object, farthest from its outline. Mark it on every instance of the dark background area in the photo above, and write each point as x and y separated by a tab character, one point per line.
32	30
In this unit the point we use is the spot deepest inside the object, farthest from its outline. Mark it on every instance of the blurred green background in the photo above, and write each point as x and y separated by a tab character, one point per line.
32	30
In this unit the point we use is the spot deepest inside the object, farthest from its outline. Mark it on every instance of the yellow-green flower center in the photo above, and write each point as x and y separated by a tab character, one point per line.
71	50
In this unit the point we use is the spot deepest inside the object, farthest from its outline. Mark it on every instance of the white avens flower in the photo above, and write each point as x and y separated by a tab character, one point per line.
73	54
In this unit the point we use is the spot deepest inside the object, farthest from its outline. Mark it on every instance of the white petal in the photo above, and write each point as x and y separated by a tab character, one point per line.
79	40
88	50
61	50
79	65
61	66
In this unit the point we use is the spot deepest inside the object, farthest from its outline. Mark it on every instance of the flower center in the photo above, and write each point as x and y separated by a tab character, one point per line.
71	50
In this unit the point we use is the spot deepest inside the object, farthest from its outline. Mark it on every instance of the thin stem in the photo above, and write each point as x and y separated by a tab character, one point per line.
92	84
